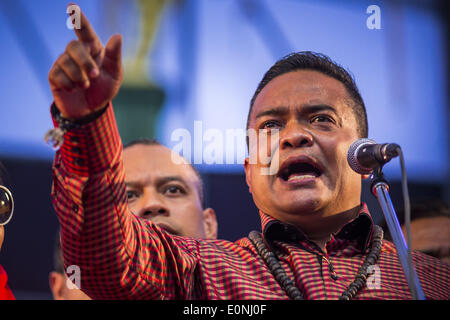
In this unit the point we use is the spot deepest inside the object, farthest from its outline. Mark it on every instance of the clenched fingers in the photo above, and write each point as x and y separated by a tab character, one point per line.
78	52
73	70
59	79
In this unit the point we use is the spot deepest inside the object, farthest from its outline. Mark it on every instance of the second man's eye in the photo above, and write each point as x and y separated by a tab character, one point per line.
270	124
322	118
173	190
131	195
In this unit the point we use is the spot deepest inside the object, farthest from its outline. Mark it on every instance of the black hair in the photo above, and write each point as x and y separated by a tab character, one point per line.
143	141
154	142
307	60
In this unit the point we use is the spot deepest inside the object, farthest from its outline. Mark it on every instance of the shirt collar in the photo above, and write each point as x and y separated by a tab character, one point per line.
359	229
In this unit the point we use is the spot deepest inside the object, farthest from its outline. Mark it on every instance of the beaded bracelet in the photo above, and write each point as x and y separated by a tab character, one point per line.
55	136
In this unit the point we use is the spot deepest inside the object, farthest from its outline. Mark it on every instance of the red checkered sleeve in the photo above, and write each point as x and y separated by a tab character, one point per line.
118	255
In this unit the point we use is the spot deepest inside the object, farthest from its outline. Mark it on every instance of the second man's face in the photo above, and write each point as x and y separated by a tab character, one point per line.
316	126
165	192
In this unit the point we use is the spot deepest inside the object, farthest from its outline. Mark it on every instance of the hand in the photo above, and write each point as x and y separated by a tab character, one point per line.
87	75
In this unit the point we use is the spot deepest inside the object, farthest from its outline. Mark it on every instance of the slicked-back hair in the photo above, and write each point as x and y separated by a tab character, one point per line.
154	142
142	141
308	60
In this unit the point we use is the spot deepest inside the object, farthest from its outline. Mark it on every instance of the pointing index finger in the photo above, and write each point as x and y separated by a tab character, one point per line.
87	35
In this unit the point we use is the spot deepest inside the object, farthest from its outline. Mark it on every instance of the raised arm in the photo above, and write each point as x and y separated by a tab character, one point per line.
119	256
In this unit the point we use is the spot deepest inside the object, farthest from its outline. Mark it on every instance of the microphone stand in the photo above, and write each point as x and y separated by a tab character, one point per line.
380	189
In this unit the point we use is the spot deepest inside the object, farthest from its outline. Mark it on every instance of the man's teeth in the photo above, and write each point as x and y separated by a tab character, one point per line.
300	177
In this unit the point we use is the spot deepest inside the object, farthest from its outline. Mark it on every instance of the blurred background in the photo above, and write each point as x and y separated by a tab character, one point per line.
201	60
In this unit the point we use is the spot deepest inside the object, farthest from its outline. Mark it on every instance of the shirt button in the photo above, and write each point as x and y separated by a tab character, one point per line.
74	139
79	162
75	208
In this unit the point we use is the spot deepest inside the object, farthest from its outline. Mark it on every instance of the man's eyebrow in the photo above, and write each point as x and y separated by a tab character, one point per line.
313	108
133	183
277	111
163	180
307	108
160	180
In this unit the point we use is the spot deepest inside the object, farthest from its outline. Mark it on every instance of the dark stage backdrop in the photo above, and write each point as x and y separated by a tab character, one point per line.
29	240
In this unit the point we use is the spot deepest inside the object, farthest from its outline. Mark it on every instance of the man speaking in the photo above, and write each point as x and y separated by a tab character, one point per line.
317	242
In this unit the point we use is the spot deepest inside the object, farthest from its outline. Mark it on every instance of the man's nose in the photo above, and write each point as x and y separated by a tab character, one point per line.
151	206
294	135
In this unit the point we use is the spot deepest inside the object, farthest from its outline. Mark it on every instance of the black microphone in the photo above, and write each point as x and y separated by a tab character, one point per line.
364	155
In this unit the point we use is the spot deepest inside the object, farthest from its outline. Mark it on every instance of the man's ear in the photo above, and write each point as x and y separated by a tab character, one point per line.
247	173
57	283
210	223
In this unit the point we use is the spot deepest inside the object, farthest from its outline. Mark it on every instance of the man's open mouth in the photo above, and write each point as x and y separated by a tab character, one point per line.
299	168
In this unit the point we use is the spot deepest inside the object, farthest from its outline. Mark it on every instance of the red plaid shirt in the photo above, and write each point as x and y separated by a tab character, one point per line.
123	257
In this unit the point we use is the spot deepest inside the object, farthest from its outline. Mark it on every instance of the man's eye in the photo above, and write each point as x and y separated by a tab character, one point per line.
174	190
131	195
322	118
271	124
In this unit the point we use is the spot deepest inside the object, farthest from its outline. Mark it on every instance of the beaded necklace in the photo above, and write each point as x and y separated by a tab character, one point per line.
290	287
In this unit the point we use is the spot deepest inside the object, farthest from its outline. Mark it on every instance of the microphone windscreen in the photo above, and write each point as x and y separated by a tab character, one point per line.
352	155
